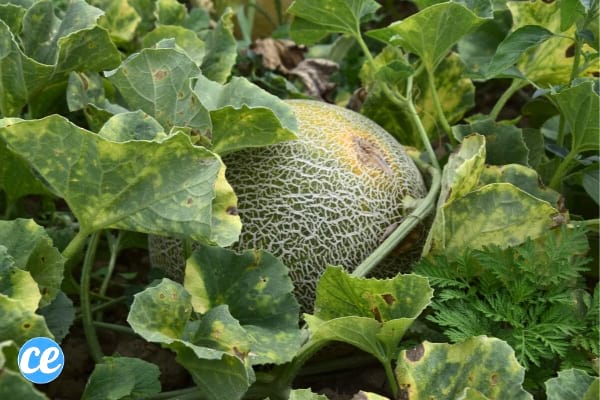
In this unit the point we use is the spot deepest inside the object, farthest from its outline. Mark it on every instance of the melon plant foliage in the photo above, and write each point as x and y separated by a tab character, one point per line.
116	115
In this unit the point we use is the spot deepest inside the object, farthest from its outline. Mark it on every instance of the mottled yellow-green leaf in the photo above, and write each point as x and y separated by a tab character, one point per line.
164	188
157	81
32	250
371	314
16	283
170	12
163	314
524	178
305	394
136	125
120	19
19	323
459	177
441	371
546	64
258	291
498	213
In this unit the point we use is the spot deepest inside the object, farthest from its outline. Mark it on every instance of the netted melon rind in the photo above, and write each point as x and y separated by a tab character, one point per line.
327	198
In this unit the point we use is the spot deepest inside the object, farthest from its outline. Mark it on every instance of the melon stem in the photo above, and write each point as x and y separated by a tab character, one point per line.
425	207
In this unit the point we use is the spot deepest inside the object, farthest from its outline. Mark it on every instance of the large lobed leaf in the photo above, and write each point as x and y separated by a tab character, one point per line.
52	49
162	314
432	32
501	207
370	314
106	381
580	106
572	384
30	249
166	188
243	115
477	368
257	290
315	19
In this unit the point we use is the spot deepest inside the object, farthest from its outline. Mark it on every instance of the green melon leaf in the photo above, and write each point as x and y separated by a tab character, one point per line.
432	32
120	19
459	177
12	384
157	81
571	11
106	381
244	115
221	49
569	384
437	371
135	125
59	316
16	283
166	188
591	182
593	391
514	45
16	178
479	47
162	314
504	143
335	16
32	250
370	314
53	48
19	323
524	178
580	107
258	291
12	15
186	39
170	12
545	64
498	213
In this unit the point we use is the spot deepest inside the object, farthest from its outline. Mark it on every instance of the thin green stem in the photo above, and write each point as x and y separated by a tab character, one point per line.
560	138
438	106
576	60
114	248
514	87
410	222
562	169
419	124
84	294
10	207
115	327
391	378
365	49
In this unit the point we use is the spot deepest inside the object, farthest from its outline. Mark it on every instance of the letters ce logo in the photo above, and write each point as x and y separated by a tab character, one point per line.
41	360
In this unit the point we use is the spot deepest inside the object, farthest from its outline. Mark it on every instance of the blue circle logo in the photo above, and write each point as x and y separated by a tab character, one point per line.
41	360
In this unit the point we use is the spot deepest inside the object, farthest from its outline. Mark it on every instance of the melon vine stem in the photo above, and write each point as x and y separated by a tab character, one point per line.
438	106
410	222
514	87
84	295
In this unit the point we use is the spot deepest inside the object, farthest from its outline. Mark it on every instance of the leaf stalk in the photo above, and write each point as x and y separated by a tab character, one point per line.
84	294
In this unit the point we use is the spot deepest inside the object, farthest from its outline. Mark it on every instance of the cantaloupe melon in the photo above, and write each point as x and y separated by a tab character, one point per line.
327	198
